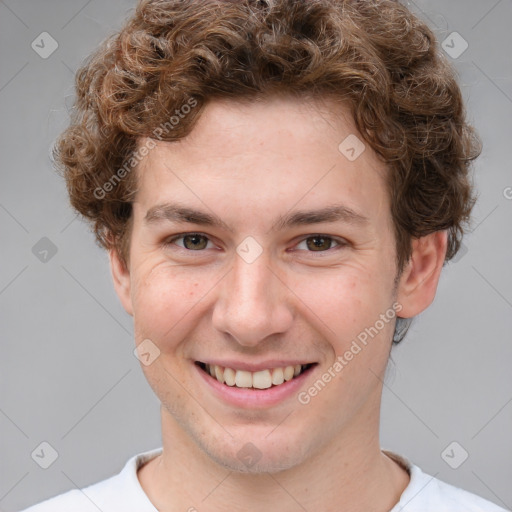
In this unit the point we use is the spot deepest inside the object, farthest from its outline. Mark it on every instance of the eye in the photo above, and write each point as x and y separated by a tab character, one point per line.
191	241
319	243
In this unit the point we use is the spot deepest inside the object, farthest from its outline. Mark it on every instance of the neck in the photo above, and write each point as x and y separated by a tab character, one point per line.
350	473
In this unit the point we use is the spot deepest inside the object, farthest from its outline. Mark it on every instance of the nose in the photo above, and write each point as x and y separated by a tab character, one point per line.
253	303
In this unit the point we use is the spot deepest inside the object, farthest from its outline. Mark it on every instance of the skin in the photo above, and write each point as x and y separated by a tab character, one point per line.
249	164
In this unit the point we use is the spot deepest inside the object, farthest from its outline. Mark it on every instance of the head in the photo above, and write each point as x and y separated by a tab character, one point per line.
240	110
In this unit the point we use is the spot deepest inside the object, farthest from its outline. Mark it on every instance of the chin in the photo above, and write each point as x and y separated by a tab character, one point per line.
253	454
267	463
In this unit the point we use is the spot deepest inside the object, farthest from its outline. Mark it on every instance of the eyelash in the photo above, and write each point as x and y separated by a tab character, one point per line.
340	242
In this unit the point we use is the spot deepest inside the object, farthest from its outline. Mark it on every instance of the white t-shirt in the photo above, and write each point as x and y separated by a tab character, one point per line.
123	493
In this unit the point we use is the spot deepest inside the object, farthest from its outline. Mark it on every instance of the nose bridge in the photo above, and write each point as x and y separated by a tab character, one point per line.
252	305
252	283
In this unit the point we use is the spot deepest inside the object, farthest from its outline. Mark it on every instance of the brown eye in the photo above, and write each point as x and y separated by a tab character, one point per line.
193	242
319	243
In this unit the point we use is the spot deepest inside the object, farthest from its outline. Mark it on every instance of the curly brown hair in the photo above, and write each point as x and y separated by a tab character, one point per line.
373	55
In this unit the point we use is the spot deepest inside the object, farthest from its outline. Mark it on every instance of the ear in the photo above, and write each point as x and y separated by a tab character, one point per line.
122	280
418	282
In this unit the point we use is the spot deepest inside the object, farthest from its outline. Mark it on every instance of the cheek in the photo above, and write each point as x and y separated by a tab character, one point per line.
346	299
349	319
165	301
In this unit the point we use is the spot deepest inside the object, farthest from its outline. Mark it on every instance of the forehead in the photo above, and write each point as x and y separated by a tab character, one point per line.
280	150
281	124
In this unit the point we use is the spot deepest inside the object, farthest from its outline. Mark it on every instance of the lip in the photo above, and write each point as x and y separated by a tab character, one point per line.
246	398
255	367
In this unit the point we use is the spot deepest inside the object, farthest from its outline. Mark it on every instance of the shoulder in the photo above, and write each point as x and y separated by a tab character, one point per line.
426	493
445	497
71	500
119	492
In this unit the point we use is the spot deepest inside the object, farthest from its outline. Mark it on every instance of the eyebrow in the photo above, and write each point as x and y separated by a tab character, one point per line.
178	213
334	213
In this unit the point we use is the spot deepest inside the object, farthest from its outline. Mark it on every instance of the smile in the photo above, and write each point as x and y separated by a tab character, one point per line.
261	379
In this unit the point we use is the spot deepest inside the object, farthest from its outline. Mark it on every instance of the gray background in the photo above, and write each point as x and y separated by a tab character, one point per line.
67	372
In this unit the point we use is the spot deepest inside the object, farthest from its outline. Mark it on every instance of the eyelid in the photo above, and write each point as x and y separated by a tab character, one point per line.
171	240
341	242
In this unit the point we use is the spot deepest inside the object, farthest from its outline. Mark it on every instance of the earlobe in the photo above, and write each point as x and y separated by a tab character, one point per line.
419	280
122	280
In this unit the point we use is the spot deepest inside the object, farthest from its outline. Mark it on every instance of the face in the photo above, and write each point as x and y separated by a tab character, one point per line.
258	245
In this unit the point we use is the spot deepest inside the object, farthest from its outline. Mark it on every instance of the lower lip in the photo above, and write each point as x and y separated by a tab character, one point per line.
249	398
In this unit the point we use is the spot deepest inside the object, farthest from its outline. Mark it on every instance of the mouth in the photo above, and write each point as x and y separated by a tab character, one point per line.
259	380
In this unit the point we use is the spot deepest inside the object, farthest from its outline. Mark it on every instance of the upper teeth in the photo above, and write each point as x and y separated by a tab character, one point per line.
262	379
